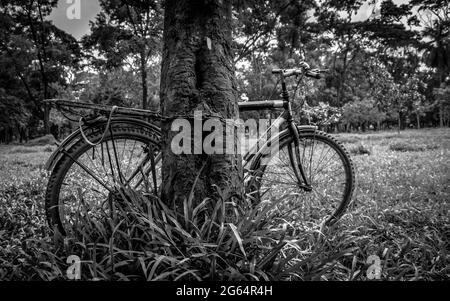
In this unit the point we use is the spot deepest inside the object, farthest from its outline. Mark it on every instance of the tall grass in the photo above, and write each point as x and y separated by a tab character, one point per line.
143	239
400	213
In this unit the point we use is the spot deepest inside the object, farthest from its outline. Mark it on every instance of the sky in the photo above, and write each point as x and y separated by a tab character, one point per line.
65	18
62	16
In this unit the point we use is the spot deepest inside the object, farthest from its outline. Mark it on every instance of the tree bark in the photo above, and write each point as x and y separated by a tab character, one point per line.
41	58
144	80
198	75
44	75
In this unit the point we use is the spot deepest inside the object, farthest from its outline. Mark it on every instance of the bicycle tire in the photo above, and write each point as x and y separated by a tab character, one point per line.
258	170
130	130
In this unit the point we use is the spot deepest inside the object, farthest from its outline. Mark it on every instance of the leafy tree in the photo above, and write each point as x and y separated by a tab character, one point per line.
361	114
261	26
435	17
127	34
419	109
13	115
37	52
336	19
442	95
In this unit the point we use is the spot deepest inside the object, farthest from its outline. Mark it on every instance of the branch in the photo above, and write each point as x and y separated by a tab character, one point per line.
254	38
19	74
131	19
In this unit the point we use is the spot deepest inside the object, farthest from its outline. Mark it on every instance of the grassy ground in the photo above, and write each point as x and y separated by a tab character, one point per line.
401	208
400	213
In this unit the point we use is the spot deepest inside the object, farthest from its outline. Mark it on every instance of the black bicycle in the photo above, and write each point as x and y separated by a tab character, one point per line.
117	147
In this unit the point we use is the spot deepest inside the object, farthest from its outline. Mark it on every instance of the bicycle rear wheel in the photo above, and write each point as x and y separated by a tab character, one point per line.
86	177
327	167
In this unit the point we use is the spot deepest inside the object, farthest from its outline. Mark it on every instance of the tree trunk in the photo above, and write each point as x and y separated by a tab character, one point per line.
41	58
198	75
44	75
144	81
418	121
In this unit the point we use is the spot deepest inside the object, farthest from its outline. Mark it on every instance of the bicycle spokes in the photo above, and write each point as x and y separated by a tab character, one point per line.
98	174
324	171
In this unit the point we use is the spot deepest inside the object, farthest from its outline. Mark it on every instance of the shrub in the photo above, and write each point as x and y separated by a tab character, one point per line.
48	149
384	137
359	150
143	239
31	149
348	139
397	214
23	150
403	146
216	240
44	140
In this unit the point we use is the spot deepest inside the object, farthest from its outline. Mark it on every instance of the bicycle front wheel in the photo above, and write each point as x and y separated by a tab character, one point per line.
87	178
326	166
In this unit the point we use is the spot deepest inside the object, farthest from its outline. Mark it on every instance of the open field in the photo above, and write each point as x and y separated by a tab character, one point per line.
400	212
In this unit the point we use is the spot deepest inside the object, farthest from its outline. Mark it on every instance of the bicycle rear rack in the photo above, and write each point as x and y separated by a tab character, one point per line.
68	106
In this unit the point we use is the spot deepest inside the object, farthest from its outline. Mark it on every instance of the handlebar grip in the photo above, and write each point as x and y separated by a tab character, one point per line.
314	74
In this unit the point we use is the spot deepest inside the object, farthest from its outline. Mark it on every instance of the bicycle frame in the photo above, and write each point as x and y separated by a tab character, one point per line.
284	119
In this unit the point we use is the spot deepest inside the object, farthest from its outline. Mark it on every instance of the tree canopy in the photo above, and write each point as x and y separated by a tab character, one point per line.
376	51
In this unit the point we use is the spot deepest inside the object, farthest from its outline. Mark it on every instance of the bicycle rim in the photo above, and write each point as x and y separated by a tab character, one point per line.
327	168
89	178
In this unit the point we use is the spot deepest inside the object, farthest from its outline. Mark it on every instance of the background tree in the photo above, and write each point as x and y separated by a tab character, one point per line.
368	57
442	96
35	52
435	18
127	34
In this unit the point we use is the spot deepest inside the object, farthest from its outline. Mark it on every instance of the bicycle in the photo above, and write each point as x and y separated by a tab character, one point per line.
312	169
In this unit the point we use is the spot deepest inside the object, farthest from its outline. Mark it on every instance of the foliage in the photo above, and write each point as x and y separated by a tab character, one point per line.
397	214
409	147
34	54
127	34
360	149
44	140
12	111
119	61
362	112
322	114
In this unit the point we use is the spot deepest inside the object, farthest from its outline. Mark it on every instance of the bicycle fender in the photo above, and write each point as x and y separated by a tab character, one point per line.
250	159
307	128
75	136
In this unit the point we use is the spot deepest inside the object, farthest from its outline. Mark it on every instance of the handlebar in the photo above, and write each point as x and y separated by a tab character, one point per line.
304	70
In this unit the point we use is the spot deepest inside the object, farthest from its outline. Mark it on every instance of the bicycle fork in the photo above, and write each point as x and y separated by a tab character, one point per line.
303	182
301	178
